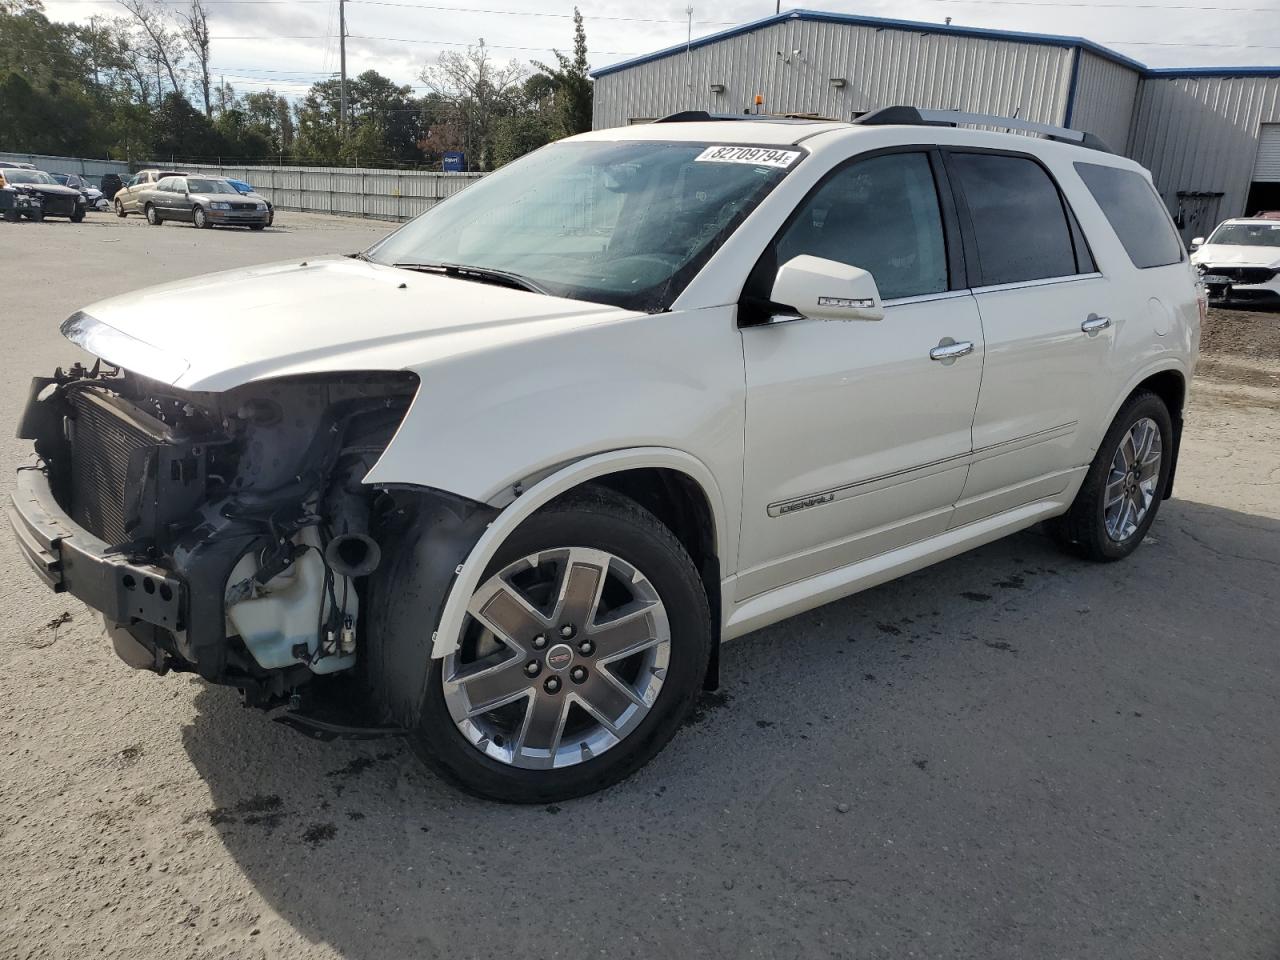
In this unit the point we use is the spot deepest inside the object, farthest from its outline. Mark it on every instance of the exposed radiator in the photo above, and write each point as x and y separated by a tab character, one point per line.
102	439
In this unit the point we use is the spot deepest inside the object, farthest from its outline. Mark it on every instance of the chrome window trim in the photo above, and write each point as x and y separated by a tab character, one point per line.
1043	282
925	297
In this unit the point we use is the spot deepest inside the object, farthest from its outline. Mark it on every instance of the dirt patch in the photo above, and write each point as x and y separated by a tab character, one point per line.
1240	357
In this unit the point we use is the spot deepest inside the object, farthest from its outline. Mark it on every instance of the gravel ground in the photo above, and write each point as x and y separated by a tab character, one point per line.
1012	755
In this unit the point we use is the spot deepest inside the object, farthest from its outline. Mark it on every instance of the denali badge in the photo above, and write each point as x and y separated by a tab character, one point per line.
804	504
845	302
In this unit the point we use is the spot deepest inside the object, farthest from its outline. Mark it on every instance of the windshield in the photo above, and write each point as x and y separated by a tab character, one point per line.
209	186
1248	234
28	176
627	224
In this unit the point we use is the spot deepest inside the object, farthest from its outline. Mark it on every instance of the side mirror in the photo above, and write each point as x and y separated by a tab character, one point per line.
1197	243
827	290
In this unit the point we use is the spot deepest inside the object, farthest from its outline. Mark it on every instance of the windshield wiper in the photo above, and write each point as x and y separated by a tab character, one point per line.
464	271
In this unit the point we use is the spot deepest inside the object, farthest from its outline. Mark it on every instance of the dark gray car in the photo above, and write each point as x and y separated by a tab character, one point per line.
204	201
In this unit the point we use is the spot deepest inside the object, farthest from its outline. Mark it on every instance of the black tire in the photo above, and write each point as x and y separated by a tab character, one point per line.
200	219
12	215
78	217
603	520
153	215
120	211
1083	529
257	226
35	215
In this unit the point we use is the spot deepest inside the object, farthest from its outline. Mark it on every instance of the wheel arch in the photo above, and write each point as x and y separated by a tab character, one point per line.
674	485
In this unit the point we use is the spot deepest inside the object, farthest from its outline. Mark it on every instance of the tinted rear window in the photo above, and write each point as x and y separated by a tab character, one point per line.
1019	221
1135	213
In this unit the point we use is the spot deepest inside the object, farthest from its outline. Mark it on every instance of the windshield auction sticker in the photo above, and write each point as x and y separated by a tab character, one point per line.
758	156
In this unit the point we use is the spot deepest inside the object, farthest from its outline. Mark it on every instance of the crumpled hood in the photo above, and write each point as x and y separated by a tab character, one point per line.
325	315
1230	255
52	189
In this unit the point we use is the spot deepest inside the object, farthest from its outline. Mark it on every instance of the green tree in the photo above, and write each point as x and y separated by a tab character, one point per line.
570	84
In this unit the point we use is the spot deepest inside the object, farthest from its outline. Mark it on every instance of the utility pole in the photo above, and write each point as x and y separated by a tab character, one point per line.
342	56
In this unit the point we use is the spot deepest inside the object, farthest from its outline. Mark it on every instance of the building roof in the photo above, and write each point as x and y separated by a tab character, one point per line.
919	26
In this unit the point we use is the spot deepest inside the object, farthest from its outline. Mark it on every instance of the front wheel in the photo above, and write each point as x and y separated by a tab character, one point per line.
584	648
120	210
1121	493
77	217
153	215
200	219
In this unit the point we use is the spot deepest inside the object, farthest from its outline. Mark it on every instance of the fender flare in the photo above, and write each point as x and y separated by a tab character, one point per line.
444	640
1162	365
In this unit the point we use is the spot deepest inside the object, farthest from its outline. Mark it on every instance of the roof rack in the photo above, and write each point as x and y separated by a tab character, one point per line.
703	116
914	116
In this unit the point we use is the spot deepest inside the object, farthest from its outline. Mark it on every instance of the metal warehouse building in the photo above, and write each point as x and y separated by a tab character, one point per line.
1210	136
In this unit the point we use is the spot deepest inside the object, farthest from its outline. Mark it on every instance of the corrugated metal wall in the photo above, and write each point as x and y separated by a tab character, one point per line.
1200	135
85	168
791	65
1104	99
378	194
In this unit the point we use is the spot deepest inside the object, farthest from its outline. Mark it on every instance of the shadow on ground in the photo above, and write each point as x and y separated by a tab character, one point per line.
1011	754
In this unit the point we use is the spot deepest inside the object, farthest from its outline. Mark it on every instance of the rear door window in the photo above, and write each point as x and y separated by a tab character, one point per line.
1021	226
1135	213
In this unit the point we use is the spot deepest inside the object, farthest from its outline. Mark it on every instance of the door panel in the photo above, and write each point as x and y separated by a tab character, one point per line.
857	442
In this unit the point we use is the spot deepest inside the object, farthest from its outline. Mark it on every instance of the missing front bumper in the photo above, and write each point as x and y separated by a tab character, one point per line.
70	559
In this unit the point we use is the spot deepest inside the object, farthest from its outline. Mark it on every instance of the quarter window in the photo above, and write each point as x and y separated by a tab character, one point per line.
1020	224
880	214
1135	213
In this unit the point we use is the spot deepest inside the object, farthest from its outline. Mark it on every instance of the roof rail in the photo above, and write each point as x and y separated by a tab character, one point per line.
916	117
702	116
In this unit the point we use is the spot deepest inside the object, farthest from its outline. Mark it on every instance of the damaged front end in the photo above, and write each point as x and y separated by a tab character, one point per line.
226	534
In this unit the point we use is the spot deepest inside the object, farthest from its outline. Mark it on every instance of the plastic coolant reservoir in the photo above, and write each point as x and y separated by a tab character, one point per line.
288	611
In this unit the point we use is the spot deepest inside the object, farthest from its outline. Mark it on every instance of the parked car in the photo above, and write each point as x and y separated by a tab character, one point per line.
523	465
203	201
93	198
246	190
1240	261
16	204
17	166
55	199
126	199
111	185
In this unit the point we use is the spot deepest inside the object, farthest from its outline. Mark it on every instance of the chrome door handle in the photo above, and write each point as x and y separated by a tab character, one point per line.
1094	324
949	350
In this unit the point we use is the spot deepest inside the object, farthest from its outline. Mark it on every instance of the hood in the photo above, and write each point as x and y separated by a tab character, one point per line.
320	316
224	197
1230	255
51	189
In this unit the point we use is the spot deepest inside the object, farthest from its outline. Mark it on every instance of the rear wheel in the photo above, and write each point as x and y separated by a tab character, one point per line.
583	650
200	218
153	215
1121	493
77	217
257	226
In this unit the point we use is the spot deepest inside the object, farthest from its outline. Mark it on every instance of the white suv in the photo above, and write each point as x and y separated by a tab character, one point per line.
520	468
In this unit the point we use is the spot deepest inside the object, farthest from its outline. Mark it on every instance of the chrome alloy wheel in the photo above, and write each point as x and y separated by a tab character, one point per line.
1132	480
564	654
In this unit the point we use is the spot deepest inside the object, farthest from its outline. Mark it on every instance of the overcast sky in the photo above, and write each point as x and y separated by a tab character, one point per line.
289	44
